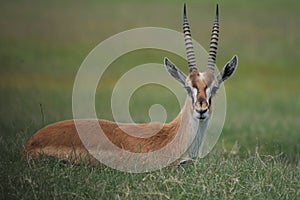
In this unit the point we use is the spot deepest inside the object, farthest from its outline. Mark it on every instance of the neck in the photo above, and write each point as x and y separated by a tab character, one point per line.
191	130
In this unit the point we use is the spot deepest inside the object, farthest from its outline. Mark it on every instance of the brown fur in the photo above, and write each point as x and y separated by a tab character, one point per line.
201	83
61	139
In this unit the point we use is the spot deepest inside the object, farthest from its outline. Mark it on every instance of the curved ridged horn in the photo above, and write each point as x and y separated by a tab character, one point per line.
213	43
188	43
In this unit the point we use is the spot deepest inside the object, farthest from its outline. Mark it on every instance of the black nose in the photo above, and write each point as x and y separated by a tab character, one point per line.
202	111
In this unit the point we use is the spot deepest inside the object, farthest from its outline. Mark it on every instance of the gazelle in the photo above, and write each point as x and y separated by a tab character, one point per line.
61	139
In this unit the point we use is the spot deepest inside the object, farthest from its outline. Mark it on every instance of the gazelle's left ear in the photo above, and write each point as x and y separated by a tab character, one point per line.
229	69
226	72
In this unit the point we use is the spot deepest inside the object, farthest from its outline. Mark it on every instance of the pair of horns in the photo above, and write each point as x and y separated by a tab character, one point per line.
189	44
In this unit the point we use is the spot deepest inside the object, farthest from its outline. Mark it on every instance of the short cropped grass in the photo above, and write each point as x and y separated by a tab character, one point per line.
42	45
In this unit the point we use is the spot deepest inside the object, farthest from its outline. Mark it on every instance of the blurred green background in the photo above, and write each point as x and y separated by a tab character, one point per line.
43	43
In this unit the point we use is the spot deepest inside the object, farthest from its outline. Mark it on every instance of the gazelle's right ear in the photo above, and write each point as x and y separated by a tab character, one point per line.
175	72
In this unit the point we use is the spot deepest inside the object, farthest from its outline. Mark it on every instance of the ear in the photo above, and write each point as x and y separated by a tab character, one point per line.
175	72
228	70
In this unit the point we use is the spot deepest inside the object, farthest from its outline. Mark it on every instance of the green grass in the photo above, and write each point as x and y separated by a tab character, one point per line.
215	177
42	45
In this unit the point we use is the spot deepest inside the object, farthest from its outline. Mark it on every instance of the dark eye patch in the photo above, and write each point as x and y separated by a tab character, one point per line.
188	89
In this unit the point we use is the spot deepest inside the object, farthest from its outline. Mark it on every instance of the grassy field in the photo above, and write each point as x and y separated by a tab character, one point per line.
42	45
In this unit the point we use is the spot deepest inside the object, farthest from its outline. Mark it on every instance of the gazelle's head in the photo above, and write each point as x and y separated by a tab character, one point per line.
201	86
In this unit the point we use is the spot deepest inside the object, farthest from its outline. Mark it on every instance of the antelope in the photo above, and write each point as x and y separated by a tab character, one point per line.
61	139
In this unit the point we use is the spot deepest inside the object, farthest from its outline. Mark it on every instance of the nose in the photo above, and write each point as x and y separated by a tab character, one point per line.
203	106
202	111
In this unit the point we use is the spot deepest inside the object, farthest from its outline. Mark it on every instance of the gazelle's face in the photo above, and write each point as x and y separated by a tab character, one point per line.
200	91
201	87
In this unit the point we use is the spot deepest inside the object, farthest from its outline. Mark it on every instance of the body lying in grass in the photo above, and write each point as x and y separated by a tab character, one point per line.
62	140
